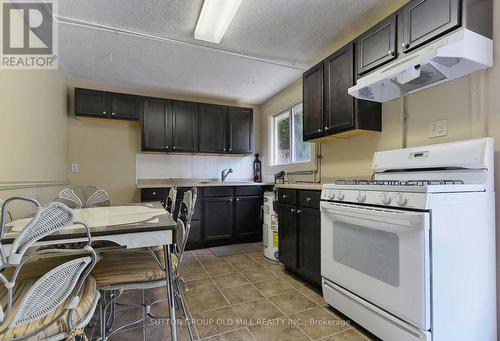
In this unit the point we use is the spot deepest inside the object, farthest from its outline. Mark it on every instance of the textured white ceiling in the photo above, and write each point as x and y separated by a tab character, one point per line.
287	31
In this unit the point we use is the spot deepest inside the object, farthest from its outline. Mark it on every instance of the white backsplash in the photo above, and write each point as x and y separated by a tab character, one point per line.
153	166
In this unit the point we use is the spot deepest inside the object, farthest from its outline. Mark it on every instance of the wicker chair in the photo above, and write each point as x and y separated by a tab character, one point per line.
121	270
45	294
84	197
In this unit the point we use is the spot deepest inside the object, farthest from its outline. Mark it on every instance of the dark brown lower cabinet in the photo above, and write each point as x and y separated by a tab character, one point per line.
222	215
309	235
300	236
218	218
247	216
288	242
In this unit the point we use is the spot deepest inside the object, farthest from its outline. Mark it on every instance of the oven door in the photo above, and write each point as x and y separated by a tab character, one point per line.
381	255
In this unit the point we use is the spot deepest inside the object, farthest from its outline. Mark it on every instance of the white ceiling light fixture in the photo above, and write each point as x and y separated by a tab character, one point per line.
215	17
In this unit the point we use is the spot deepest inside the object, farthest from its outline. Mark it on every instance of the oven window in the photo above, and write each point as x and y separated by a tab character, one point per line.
374	253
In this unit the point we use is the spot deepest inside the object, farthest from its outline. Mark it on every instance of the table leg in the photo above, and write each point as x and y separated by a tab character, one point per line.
170	291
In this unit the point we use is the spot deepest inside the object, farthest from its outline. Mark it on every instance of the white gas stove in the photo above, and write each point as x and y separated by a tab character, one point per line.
410	253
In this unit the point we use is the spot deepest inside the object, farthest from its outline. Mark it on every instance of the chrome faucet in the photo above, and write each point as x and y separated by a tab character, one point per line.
225	173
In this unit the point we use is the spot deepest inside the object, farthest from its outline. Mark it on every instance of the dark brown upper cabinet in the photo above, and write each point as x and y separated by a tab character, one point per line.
416	24
126	107
338	77
174	126
91	103
340	114
240	130
378	45
212	128
102	104
184	126
156	126
312	88
424	20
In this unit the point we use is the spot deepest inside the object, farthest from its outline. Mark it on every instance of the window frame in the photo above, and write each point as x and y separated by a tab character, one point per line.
289	113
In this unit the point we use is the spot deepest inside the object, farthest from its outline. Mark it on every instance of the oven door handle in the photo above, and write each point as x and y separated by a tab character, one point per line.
353	215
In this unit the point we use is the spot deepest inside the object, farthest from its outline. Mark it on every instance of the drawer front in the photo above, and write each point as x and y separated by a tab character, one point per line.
248	190
287	196
154	194
224	191
309	199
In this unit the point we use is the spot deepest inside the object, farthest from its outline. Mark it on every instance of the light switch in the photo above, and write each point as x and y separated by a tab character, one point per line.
74	168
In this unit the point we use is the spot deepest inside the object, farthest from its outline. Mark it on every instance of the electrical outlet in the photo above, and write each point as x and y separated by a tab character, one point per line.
74	168
438	128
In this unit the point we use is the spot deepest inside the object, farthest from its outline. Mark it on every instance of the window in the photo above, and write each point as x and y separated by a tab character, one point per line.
287	145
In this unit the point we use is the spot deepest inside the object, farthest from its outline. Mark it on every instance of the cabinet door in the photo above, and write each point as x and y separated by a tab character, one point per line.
247	221
309	236
91	103
377	46
312	91
212	127
218	218
240	129
287	235
424	20
156	126
185	126
195	238
125	106
339	76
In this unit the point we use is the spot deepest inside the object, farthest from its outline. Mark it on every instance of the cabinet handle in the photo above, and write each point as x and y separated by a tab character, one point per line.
292	210
237	199
299	211
113	114
230	200
154	193
284	196
326	128
166	147
308	199
319	130
104	113
173	147
230	149
223	149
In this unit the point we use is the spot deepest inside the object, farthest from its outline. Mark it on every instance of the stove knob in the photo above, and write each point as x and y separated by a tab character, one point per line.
361	197
331	194
401	199
340	195
386	198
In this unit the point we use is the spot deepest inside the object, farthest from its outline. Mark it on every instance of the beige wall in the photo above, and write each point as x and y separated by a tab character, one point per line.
33	134
470	104
105	150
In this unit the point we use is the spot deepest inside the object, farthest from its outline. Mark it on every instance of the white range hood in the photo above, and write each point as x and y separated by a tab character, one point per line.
455	55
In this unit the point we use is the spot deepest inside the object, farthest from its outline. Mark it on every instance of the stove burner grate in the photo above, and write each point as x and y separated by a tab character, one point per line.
399	182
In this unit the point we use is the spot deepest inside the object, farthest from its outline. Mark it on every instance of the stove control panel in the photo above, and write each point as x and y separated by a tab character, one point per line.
377	198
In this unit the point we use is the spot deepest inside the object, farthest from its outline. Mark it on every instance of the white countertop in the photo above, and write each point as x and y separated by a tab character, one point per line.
166	183
306	186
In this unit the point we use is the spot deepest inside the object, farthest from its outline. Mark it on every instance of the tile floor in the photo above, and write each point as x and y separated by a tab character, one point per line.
241	297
